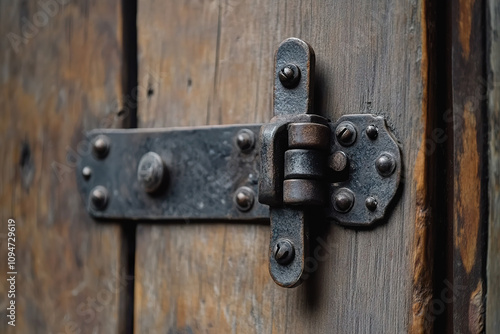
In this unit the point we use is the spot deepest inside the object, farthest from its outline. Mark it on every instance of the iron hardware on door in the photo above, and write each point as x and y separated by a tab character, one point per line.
295	166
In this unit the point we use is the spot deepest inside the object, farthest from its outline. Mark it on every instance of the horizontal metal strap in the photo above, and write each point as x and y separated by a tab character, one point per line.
210	173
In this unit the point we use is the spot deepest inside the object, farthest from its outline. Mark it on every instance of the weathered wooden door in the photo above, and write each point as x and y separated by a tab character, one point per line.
430	68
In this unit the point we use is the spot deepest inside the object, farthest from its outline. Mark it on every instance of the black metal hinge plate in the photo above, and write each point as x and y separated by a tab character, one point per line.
205	172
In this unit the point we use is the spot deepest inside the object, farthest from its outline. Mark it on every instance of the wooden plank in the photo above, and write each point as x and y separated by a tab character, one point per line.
213	62
469	199
61	73
493	265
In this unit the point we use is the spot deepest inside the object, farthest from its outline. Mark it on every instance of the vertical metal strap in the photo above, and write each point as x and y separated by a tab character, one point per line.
294	77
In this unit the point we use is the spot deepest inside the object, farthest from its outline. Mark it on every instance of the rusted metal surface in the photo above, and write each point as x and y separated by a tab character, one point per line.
338	161
295	99
308	136
346	133
244	198
202	170
363	177
288	222
274	138
304	164
303	192
152	173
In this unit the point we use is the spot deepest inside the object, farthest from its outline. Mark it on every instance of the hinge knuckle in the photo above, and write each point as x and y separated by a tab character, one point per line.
309	136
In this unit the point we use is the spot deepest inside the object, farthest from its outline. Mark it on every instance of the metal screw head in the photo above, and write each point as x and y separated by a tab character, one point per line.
372	131
99	198
371	203
151	172
101	146
86	172
385	164
338	161
289	76
283	251
245	139
343	200
244	198
346	133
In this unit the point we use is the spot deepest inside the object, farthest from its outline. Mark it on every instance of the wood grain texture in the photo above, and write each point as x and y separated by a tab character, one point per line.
210	62
428	196
493	264
469	200
60	75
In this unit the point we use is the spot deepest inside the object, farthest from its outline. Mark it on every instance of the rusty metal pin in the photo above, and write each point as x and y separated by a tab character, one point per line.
385	164
245	139
284	252
338	161
346	133
289	76
244	198
101	145
99	198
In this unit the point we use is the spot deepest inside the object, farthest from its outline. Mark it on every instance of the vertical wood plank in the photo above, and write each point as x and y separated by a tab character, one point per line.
469	200
213	62
61	71
493	265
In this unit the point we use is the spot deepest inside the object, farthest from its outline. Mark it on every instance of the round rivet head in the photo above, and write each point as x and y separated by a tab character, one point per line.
343	200
338	161
151	172
101	145
371	203
372	131
99	198
86	172
345	133
289	76
244	198
245	139
385	164
283	251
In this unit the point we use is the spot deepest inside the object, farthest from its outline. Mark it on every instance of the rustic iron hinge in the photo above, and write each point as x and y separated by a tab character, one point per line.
297	165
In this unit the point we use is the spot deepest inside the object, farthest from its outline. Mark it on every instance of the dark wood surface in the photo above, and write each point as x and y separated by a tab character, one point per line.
63	77
469	156
210	62
493	263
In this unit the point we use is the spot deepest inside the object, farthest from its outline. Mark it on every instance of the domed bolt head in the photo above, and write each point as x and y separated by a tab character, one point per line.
244	198
151	172
86	172
283	251
372	131
101	145
289	76
386	164
345	133
343	200
99	198
245	139
371	203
